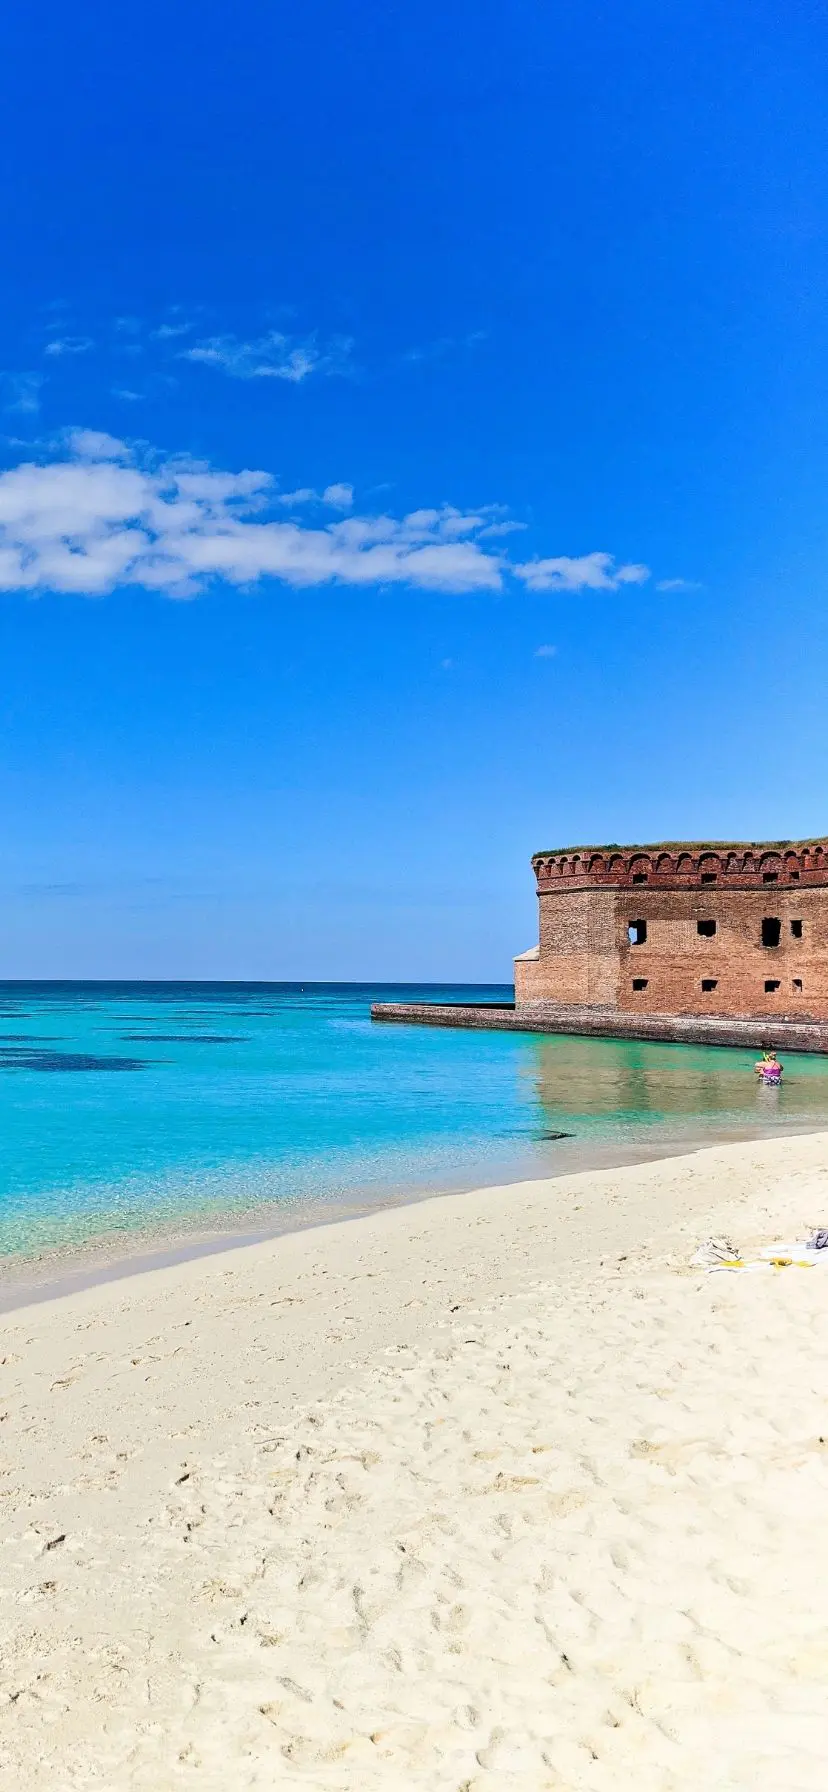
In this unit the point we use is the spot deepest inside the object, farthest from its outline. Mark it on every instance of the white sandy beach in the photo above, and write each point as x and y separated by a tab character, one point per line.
494	1491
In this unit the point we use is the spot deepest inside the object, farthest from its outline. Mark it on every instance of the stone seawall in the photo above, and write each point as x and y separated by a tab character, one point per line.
549	1017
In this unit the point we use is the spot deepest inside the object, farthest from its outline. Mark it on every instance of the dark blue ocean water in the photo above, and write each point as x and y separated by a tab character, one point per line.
168	1109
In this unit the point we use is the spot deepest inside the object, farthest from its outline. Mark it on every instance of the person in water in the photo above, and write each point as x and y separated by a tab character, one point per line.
769	1069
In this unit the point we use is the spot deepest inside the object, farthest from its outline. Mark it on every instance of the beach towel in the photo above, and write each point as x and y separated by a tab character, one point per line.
718	1254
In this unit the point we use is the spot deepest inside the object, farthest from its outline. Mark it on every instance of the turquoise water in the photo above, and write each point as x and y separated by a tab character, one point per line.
171	1109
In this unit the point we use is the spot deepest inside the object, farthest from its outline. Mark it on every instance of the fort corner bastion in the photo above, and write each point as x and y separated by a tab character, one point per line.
713	942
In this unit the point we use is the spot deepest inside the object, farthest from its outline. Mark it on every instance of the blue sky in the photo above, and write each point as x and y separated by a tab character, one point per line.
413	455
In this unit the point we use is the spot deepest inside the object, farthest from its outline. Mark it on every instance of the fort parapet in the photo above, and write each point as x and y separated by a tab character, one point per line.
721	942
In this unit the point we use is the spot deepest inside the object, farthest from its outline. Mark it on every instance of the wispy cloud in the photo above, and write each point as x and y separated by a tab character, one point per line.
69	345
21	392
179	321
507	527
546	652
337	497
273	356
304	494
678	585
430	351
585	572
126	393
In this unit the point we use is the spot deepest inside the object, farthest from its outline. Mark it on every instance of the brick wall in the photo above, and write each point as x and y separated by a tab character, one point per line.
586	954
675	958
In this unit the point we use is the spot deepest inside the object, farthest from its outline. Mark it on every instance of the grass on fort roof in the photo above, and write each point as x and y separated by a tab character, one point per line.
681	846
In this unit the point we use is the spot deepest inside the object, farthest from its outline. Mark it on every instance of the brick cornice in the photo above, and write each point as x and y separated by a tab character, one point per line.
800	865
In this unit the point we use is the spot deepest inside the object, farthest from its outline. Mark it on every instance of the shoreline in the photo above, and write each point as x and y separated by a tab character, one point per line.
492	1489
64	1271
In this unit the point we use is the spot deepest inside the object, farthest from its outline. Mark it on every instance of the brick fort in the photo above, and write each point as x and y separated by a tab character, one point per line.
713	942
717	928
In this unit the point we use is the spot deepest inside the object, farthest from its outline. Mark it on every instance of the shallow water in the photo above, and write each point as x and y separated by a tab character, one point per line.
133	1111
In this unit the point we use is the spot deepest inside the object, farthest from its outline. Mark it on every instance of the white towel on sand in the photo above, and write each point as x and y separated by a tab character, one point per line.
721	1254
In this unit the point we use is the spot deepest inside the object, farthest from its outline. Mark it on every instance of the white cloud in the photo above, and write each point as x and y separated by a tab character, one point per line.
337	497
586	572
505	528
99	514
273	356
677	585
126	393
340	497
449	523
22	392
166	331
69	345
92	513
545	652
304	494
95	444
